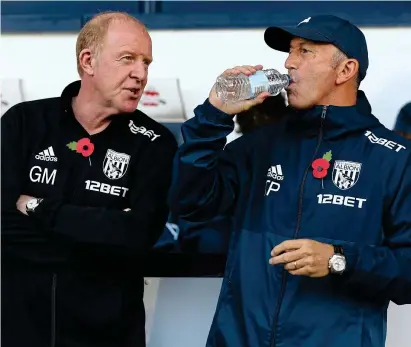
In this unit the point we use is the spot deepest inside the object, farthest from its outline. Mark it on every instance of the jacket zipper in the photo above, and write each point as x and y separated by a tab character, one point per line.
53	311
297	229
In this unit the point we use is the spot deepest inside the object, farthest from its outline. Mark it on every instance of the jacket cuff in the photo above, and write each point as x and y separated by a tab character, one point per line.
46	212
214	115
351	256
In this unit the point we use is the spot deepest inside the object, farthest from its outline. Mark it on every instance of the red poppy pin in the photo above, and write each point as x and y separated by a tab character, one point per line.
83	146
321	165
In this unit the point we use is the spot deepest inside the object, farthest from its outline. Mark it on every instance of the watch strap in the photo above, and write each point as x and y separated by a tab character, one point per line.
338	249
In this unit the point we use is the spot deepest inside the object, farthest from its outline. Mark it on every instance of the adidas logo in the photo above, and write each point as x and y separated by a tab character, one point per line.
275	172
47	155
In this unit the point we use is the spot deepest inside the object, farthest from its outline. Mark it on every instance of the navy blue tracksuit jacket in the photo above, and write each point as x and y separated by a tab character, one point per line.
265	181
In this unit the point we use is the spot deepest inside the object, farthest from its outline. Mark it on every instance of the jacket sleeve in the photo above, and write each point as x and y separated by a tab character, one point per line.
385	271
12	154
131	232
205	175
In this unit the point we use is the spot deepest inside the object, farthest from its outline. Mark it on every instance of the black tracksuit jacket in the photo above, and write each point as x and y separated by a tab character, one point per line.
72	272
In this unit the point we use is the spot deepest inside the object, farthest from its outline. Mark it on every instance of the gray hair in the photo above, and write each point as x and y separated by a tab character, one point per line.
340	56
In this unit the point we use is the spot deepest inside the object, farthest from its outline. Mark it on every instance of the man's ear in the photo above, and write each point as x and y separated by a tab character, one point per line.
347	70
86	61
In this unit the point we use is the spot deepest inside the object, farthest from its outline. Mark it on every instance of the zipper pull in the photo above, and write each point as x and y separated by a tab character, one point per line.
324	112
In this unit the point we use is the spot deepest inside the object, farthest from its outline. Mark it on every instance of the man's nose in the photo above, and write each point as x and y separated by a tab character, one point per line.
291	62
139	71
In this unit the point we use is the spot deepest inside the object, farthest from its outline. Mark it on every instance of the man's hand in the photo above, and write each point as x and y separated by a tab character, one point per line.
21	203
303	257
239	106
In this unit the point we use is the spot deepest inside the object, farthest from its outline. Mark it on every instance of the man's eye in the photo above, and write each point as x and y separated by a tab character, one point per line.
128	57
304	50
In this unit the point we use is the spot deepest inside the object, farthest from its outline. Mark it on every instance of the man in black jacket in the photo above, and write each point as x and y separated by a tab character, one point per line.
84	183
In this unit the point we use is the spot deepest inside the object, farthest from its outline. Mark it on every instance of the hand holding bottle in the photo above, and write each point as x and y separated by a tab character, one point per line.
233	108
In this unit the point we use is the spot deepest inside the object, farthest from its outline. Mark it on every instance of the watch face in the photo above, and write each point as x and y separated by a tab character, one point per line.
32	204
339	264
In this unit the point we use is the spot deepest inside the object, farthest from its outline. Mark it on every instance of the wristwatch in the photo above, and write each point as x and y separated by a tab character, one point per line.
337	262
32	205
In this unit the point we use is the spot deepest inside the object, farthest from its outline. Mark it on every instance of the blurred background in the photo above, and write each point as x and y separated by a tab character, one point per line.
193	42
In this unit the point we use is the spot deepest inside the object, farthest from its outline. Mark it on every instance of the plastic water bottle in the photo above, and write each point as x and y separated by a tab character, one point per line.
233	88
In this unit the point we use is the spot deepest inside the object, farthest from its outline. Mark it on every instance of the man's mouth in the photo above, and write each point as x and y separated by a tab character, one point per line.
134	91
292	83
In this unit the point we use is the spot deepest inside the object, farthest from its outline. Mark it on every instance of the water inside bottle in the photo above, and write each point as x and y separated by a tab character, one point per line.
231	88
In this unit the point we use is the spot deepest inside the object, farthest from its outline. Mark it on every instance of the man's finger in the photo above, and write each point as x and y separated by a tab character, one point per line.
286	246
287	257
233	71
245	69
248	69
256	101
299	263
303	271
262	96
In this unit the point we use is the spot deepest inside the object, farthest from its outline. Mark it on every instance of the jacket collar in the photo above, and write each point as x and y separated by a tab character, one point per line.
69	92
335	120
66	98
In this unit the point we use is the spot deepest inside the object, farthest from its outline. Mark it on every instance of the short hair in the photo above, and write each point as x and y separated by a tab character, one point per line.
338	57
93	33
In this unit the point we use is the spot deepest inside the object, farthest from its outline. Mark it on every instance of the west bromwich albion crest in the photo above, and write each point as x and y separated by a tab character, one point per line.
345	174
115	164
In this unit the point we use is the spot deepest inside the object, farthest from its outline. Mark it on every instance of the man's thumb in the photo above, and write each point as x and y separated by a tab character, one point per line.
256	101
262	96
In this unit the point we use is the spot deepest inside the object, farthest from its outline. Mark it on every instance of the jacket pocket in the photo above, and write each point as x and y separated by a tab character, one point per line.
316	312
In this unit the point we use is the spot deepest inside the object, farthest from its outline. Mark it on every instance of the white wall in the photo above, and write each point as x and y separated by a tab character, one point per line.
46	63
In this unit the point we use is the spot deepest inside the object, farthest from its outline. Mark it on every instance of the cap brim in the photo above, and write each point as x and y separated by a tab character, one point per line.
279	38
